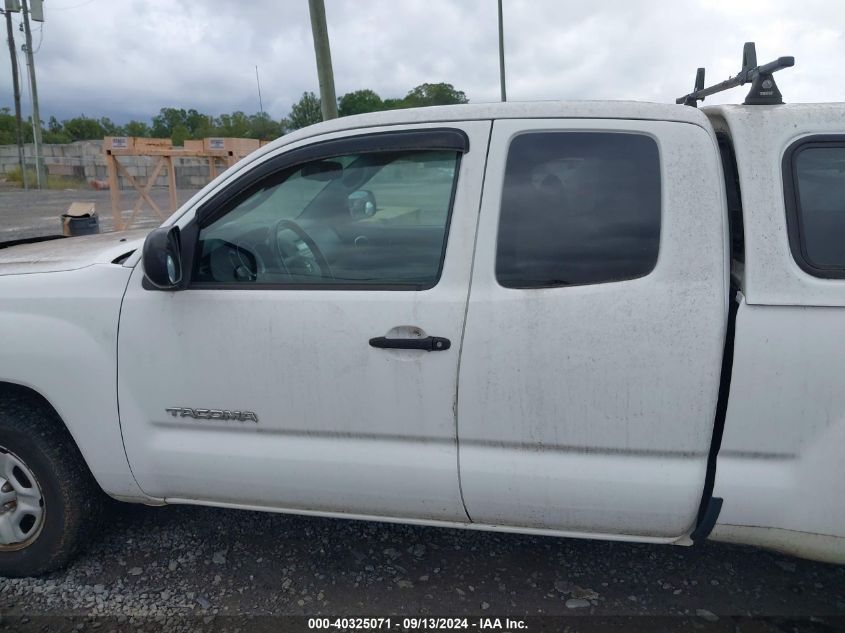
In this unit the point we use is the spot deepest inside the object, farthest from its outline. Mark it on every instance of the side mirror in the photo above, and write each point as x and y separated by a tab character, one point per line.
162	258
362	204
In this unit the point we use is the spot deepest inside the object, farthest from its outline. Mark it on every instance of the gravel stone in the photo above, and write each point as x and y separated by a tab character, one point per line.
219	558
577	603
562	586
707	615
786	565
418	550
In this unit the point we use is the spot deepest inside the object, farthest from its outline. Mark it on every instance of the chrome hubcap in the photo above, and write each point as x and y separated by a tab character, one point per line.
21	503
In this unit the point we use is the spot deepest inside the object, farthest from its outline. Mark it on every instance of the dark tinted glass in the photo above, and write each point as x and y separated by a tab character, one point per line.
578	208
820	175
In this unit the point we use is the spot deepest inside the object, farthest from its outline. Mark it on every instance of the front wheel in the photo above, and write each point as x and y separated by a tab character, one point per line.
48	498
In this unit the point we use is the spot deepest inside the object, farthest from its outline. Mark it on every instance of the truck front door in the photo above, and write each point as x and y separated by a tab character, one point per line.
280	377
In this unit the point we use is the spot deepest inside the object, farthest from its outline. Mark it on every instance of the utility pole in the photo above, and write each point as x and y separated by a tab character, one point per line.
328	100
17	94
258	82
36	117
502	54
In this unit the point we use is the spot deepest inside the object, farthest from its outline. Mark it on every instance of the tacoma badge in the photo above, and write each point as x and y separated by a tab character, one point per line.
212	414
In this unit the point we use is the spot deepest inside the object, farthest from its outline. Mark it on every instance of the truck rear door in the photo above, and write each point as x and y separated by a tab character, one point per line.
596	322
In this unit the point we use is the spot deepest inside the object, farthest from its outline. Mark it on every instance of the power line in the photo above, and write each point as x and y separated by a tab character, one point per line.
258	81
40	39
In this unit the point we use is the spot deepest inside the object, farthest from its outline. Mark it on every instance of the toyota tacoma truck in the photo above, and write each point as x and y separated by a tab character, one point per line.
608	320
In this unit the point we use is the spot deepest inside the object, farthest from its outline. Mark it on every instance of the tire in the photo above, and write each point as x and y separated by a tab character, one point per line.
36	449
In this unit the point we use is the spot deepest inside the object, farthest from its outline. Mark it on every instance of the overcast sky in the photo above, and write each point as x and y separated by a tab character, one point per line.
128	58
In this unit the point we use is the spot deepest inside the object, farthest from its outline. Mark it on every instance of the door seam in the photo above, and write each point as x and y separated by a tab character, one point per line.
464	325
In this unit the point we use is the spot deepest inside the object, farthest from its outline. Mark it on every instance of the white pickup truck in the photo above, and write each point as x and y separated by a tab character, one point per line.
591	319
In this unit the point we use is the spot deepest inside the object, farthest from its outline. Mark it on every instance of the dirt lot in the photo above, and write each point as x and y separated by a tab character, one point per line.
177	566
181	568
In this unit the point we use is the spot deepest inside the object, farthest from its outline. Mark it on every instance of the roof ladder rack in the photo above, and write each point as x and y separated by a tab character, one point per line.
764	90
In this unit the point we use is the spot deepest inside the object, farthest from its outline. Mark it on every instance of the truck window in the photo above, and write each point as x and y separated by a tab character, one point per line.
814	179
578	208
366	220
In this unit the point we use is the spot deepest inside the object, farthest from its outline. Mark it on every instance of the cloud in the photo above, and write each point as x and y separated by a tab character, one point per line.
126	59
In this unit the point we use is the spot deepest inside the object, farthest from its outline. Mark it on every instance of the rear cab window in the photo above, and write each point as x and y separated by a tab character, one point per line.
578	208
814	194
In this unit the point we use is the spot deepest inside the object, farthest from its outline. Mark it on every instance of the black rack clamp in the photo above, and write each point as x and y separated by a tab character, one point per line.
764	90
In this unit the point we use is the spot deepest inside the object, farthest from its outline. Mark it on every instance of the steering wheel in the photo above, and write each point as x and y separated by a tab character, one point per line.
316	253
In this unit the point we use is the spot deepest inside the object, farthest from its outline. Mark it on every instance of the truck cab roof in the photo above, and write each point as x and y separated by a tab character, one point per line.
509	110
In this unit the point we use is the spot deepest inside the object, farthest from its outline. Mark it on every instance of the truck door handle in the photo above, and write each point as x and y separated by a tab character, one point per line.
429	343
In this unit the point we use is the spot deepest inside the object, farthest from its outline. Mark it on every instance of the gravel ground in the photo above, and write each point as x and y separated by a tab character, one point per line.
182	568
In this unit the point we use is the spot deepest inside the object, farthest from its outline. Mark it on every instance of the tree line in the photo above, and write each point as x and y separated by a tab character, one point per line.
180	124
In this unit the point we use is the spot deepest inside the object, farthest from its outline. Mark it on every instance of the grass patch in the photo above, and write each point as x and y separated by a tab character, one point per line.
53	182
